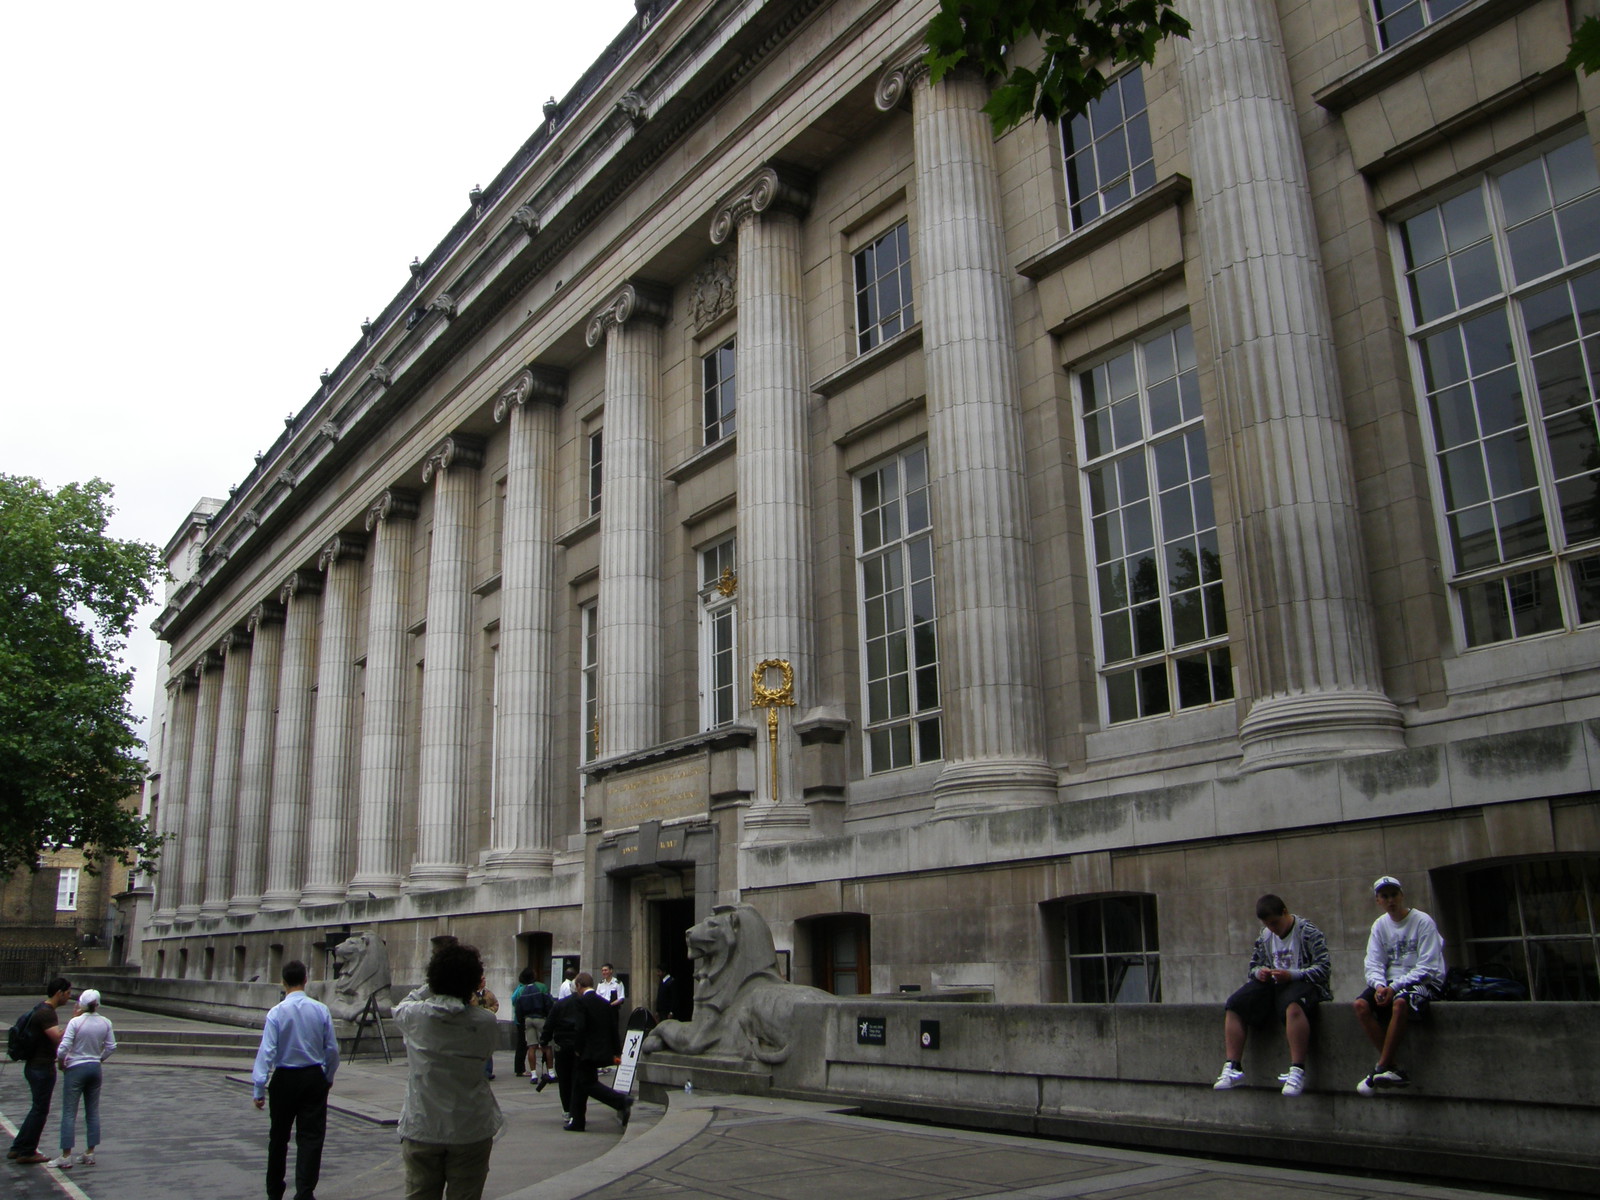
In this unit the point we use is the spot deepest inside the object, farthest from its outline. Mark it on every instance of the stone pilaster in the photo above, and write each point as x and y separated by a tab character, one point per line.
990	688
234	650
291	753
1312	660
443	778
333	732
265	625
774	391
177	745
521	842
630	519
390	522
197	797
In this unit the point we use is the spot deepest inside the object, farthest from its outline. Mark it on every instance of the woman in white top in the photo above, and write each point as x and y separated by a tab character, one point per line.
87	1042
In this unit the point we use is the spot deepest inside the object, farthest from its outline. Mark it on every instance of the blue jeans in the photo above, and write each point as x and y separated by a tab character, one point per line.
84	1080
42	1083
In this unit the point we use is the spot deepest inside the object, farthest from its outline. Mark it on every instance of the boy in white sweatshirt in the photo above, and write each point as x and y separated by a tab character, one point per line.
1405	973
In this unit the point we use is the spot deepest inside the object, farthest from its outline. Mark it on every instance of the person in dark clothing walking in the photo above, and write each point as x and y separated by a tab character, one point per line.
599	1044
293	1071
562	1030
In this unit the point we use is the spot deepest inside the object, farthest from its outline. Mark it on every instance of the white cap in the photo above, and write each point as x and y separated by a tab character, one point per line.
1386	881
89	997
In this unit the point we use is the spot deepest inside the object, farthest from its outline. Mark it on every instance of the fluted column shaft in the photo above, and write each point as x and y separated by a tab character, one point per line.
255	759
235	654
442	785
333	732
177	745
384	727
990	688
1312	661
291	754
630	529
197	798
521	840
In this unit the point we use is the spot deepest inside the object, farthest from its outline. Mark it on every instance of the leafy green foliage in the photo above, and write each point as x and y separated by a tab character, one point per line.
1081	40
1584	54
68	596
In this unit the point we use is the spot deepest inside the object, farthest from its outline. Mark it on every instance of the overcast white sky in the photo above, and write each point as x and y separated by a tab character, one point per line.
202	201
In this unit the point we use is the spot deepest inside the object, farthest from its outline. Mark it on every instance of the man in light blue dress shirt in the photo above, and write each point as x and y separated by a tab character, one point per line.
300	1054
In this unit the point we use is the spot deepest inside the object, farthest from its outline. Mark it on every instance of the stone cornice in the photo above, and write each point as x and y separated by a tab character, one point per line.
395	504
533	382
776	187
637	298
457	450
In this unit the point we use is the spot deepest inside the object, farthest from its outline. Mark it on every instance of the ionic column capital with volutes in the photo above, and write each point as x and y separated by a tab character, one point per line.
775	188
395	504
457	450
896	82
266	613
343	547
533	382
636	300
300	583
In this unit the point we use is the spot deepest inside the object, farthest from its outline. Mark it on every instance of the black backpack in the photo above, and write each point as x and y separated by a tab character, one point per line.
531	1002
23	1038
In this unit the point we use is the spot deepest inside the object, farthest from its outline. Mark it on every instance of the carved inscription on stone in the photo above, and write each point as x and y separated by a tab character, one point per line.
678	789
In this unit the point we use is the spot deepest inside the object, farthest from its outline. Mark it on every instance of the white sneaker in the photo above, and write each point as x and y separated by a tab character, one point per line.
61	1163
86	1159
1294	1082
1231	1077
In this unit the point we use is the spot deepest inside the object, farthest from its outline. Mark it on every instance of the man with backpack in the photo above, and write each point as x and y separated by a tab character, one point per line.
32	1042
530	1005
562	1031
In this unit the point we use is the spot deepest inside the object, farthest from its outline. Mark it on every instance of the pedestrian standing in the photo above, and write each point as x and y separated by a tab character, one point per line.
299	1054
86	1043
39	1069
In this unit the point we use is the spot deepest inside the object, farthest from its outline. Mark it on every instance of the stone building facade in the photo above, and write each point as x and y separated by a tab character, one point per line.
997	559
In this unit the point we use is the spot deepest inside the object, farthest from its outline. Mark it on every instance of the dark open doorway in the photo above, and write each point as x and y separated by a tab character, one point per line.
670	920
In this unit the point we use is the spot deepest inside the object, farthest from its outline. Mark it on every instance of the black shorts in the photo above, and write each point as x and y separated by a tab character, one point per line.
1255	1002
1417	995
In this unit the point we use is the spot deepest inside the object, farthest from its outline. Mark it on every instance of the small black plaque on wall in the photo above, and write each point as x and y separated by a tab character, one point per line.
870	1031
930	1035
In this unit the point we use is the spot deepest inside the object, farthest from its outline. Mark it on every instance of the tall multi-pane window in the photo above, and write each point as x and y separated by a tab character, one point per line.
1502	287
67	890
900	643
1399	19
716	387
1159	607
719	583
589	667
883	288
596	461
1109	156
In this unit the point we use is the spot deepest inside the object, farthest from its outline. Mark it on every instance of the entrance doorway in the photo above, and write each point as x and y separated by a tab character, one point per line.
669	921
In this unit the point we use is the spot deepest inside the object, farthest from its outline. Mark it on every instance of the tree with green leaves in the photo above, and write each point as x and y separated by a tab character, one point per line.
1584	54
68	751
1081	40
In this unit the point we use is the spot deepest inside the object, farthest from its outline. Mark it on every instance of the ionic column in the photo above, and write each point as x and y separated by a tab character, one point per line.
234	650
630	520
775	568
443	775
177	745
521	837
383	731
333	732
265	625
993	729
1312	657
197	797
291	745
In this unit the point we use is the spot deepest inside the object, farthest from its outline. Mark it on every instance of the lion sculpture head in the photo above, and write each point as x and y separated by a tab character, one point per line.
361	964
730	946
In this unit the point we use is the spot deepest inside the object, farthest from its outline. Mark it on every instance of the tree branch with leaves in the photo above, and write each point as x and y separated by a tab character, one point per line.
69	755
1081	41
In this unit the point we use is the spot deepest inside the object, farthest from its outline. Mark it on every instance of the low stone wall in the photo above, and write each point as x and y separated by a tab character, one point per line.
1503	1092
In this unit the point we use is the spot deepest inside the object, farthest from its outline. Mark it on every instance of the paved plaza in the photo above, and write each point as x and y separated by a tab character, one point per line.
183	1126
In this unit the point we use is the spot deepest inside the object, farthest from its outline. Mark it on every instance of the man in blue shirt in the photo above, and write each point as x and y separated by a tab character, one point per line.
300	1054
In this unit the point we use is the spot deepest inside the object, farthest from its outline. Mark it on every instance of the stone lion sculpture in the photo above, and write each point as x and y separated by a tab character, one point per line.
361	967
742	1007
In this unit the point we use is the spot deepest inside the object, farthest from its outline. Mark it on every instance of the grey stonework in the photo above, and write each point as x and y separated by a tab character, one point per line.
1362	736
